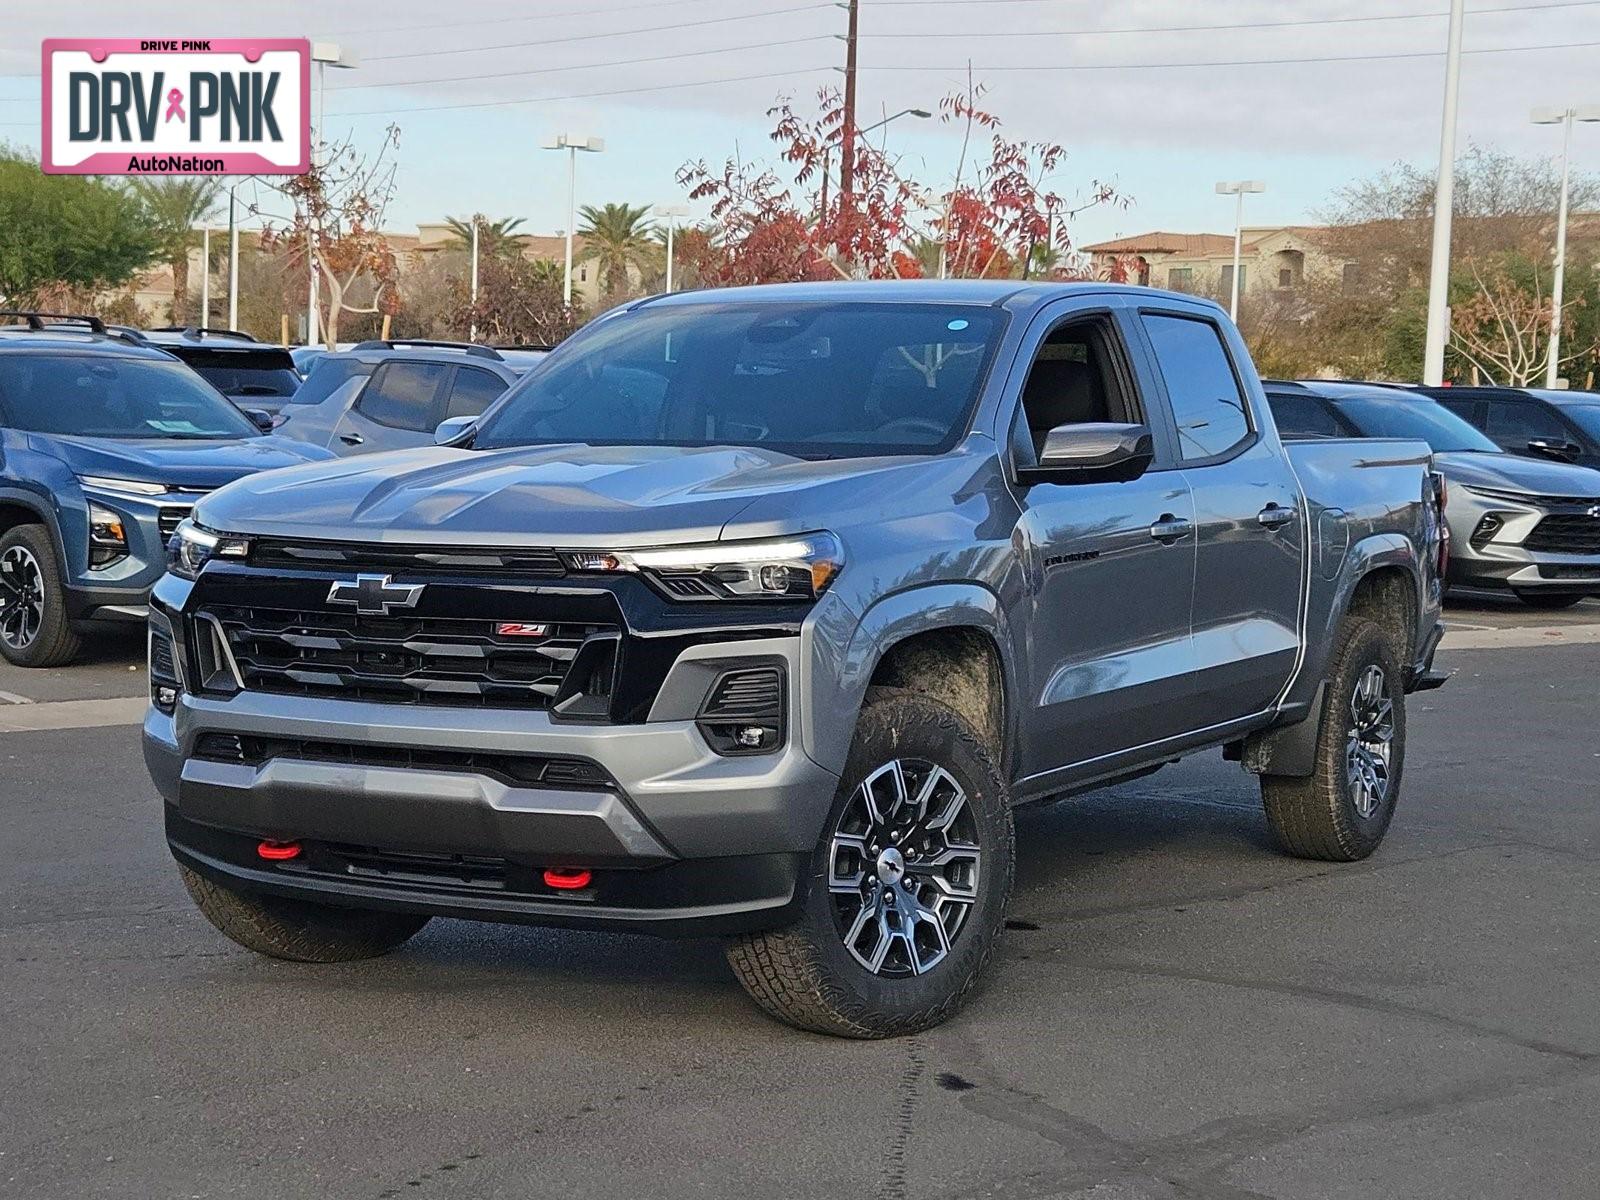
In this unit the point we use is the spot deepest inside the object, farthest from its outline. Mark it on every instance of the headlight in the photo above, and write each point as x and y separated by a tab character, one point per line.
127	487
108	540
793	568
193	546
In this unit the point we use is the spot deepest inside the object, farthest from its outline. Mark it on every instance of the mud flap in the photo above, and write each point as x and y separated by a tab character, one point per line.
1290	750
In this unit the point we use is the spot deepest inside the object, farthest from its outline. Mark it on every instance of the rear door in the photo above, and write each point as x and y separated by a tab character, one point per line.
1110	566
1251	540
399	408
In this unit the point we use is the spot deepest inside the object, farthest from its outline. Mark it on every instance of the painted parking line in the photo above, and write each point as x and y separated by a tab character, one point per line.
73	714
12	698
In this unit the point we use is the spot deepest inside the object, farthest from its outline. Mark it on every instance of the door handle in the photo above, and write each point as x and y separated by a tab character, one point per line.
351	439
1274	515
1170	529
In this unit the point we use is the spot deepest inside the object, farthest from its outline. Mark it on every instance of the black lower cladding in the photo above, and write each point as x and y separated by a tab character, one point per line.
691	897
592	648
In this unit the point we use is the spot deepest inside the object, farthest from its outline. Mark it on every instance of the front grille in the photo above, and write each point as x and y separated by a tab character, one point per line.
1566	533
277	552
566	772
1552	571
399	660
168	519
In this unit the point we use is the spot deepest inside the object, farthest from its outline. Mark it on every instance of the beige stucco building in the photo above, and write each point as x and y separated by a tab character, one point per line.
1272	258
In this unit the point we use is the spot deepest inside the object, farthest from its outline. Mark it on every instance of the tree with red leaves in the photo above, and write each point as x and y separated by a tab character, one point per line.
989	221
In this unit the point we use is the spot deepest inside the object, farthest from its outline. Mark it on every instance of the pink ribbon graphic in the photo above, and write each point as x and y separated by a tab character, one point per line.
175	105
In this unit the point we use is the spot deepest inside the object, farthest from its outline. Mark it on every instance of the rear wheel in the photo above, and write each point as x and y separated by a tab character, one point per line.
908	886
34	630
1550	600
298	930
1340	812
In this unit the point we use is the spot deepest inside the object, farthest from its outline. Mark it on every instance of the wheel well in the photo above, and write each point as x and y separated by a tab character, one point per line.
13	514
1389	597
959	666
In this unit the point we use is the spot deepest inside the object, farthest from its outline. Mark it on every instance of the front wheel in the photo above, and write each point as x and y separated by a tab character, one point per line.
908	886
1550	600
1340	812
34	630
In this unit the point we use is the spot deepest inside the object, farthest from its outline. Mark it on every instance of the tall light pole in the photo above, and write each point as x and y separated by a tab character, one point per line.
205	272
324	54
1563	117
233	259
1443	203
472	334
671	212
1237	189
572	143
827	150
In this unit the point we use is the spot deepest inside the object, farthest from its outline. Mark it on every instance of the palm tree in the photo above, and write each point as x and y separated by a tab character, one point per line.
176	204
496	239
617	237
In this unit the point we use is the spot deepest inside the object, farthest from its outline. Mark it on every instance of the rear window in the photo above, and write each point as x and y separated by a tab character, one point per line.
327	373
1300	416
1206	401
267	371
102	395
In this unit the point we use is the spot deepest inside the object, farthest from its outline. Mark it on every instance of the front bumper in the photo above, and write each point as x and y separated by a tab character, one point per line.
1504	559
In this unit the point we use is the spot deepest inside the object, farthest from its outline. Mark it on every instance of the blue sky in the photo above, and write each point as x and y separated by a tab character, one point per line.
1122	84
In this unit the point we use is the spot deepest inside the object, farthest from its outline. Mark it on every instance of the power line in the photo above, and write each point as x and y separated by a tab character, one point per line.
589	37
660	87
1294	23
619	62
1238	62
542	16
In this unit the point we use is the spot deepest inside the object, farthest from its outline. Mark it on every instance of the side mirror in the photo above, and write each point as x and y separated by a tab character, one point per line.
1092	452
453	431
260	418
1556	448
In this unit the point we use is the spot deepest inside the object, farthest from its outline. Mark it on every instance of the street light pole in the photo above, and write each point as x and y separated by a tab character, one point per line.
572	143
205	271
671	212
324	54
472	334
233	259
1237	188
1564	117
1443	204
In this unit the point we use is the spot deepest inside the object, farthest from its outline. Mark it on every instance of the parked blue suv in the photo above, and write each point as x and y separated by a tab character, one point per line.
105	443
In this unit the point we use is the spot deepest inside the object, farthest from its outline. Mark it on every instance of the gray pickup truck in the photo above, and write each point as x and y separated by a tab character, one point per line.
755	613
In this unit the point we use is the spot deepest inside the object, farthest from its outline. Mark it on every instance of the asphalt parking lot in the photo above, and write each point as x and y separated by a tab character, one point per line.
1179	1010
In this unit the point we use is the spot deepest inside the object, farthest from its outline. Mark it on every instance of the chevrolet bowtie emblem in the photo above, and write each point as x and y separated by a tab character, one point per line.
375	595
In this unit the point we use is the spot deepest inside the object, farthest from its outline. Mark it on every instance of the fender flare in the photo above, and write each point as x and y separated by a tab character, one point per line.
23	498
892	619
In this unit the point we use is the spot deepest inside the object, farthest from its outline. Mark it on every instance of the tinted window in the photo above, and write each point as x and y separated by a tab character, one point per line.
1587	418
1300	416
1467	410
1404	417
103	396
1206	401
327	373
268	371
816	379
473	391
401	395
1513	425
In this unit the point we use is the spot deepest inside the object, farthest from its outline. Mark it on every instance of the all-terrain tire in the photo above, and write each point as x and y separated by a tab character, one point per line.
1318	816
54	643
1550	601
804	974
298	930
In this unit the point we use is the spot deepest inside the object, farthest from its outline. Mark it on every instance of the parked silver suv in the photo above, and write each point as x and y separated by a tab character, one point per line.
755	612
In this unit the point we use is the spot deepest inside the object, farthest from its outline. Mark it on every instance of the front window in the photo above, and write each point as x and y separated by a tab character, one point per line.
98	395
1403	417
816	380
1586	417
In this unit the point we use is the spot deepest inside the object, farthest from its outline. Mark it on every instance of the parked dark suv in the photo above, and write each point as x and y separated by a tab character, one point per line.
253	374
105	444
392	395
1532	422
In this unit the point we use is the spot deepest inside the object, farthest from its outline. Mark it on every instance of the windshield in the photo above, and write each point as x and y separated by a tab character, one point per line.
818	380
96	395
1402	417
1586	417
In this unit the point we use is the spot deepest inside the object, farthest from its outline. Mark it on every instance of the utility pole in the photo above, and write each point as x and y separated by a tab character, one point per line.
847	133
205	271
1443	204
472	334
233	259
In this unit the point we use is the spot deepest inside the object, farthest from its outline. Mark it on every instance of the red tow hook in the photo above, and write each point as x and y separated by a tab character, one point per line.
568	879
278	851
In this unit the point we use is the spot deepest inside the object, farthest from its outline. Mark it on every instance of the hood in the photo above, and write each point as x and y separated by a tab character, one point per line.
1513	473
572	495
177	463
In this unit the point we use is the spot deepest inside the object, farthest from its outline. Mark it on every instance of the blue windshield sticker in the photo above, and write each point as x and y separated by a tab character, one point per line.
956	325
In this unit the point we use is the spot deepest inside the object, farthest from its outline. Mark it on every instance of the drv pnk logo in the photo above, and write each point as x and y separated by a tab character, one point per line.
167	106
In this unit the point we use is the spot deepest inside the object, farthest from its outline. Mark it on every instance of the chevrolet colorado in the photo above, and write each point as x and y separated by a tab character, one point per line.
755	612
